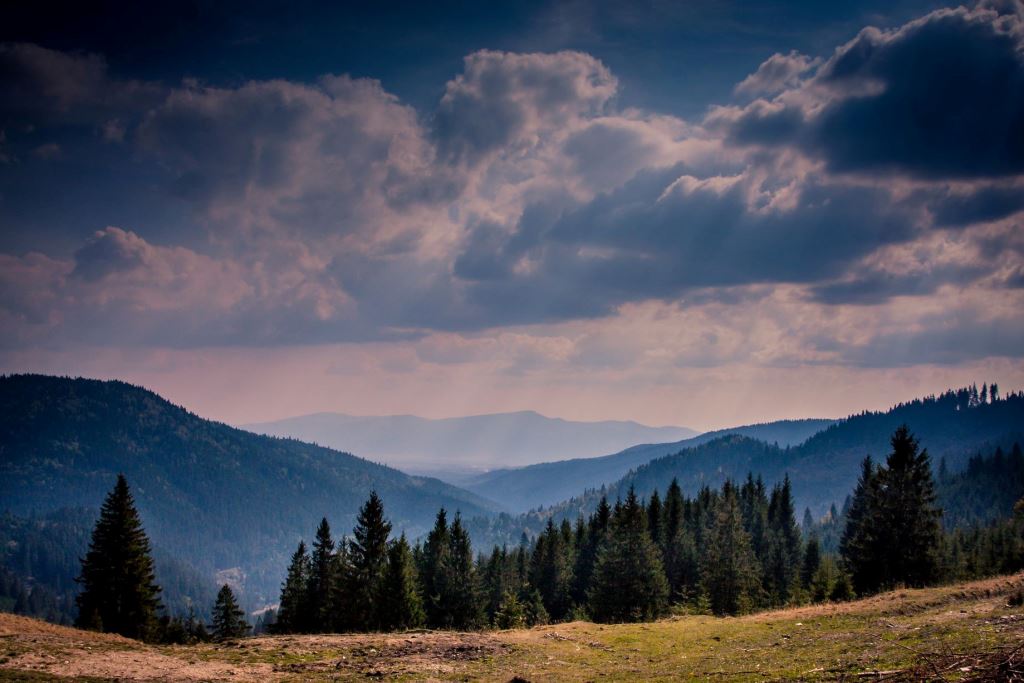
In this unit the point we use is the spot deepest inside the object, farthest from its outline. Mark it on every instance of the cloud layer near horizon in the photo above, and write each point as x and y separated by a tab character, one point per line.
858	209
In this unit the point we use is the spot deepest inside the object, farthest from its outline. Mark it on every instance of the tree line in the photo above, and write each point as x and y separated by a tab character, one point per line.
726	551
729	550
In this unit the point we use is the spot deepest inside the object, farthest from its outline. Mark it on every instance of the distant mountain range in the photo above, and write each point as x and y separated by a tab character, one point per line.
217	500
214	496
823	469
547	483
460	446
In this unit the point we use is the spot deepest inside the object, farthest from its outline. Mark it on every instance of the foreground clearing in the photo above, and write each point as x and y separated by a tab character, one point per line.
961	632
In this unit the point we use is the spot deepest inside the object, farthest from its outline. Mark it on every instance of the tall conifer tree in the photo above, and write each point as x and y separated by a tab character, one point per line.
119	592
368	556
859	542
907	515
730	569
292	612
400	606
320	570
629	581
461	596
433	571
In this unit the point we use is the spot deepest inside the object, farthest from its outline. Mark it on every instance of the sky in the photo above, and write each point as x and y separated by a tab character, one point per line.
689	213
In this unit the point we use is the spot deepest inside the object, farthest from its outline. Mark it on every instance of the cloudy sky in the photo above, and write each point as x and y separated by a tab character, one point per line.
695	213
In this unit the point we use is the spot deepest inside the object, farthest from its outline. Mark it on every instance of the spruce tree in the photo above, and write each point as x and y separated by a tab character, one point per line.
655	519
292	612
320	573
341	589
433	571
400	606
859	545
228	618
629	581
462	602
119	593
497	580
586	556
682	565
783	546
551	572
907	516
673	511
812	558
730	570
368	557
893	535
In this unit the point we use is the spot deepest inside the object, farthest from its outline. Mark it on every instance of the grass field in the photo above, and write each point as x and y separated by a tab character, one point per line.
962	632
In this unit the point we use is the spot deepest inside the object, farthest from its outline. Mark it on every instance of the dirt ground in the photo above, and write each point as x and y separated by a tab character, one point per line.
963	632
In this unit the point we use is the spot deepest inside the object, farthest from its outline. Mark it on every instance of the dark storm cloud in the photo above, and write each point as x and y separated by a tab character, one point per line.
949	339
40	86
977	205
659	237
873	287
335	211
942	97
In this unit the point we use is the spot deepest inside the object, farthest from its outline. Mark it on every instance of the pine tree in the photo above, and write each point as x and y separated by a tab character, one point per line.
496	580
119	593
320	570
812	558
655	518
682	566
892	534
678	547
341	590
433	571
368	556
551	572
907	515
629	581
400	606
783	551
859	543
292	612
461	598
586	556
228	618
730	570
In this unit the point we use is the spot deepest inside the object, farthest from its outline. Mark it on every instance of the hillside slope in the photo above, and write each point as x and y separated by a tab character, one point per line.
547	483
216	496
823	469
466	444
966	631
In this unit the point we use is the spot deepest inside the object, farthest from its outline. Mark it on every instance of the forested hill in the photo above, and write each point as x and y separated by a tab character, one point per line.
823	470
548	483
212	495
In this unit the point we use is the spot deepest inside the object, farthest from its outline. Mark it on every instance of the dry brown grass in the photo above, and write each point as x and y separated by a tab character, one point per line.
954	633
